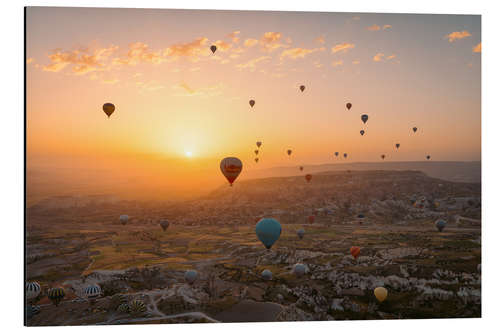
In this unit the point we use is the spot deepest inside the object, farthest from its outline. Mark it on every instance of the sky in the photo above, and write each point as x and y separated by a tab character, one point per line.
180	109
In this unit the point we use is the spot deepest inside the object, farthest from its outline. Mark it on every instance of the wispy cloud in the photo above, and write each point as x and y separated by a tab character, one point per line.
251	64
270	41
82	61
250	42
183	89
30	60
320	39
234	36
222	46
381	57
387	26
336	63
456	35
477	48
298	52
374	27
344	47
110	81
356	62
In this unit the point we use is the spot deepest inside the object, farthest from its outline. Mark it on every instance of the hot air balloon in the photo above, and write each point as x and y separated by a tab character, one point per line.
364	118
56	295
397	145
267	275
301	168
231	168
108	109
308	177
164	224
302	88
256	151
289	152
348	106
382	156
345	155
414	129
32	310
300	233
258	143
361	216
299	269
251	102
92	291
362	132
311	219
190	276
355	251
440	224
213	48
136	307
124	219
256	160
268	230
123	308
336	153
428	157
33	289
380	293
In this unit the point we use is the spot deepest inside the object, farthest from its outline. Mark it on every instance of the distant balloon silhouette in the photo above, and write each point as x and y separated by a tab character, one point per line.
414	129
301	233
299	269
213	48
191	276
301	168
289	152
345	155
364	118
108	109
258	143
362	132
164	224
231	168
267	275
124	219
308	177
251	102
256	160
428	157
336	153
397	145
256	152
348	106
440	224
382	156
302	88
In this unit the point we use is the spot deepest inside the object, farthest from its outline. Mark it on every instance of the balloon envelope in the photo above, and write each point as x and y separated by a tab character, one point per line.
213	48
382	156
336	153
348	106
311	219
33	289
355	251
267	275
108	109
258	143
268	230
252	103
397	145
256	152
440	224
164	224
380	293
302	88
362	132
231	168
191	276
364	118
308	177
300	233
289	152
299	269
428	157
345	155
256	160
124	219
301	168
414	129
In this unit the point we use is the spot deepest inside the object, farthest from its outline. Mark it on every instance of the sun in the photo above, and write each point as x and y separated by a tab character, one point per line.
189	154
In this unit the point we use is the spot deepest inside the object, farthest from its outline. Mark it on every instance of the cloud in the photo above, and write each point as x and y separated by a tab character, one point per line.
477	48
356	62
378	57
234	36
457	35
250	42
270	41
374	28
110	81
82	61
336	63
192	50
185	90
317	64
387	26
298	52
252	63
344	47
320	39
222	46
30	60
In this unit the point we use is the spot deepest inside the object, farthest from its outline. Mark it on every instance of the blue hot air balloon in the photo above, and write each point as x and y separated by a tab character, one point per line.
268	231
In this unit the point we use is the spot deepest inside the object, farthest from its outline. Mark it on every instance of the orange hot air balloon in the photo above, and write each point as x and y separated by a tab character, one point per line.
355	251
380	293
108	109
311	219
252	103
302	88
231	168
289	152
213	48
348	106
308	177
